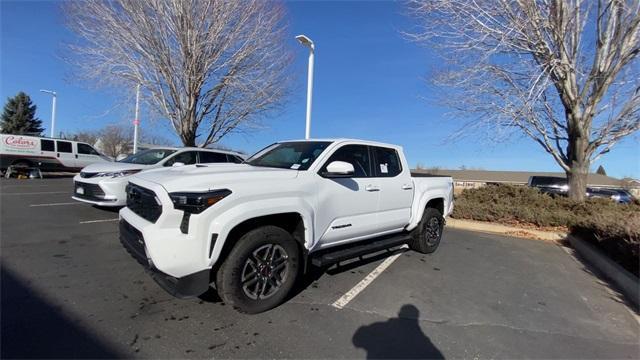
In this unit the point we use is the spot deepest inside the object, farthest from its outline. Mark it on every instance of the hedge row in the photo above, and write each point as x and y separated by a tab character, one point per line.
615	228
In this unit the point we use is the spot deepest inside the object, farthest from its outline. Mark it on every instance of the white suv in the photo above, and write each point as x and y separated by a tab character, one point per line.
103	184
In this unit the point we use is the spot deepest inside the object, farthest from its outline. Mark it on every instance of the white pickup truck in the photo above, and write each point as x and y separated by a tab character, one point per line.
252	229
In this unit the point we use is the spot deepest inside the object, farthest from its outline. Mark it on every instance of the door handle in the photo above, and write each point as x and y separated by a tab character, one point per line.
407	187
76	156
58	154
372	188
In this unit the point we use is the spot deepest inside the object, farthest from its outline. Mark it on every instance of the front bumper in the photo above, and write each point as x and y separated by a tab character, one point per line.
100	191
183	287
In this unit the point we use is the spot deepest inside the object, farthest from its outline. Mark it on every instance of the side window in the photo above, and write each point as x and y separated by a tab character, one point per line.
47	145
387	162
356	155
212	157
64	146
234	159
86	149
187	158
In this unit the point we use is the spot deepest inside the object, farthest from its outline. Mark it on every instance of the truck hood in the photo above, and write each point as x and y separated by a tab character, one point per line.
113	167
211	176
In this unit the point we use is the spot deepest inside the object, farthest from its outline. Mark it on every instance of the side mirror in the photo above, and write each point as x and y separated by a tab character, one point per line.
338	169
177	163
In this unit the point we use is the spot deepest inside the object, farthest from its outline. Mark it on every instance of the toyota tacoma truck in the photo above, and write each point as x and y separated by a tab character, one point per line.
251	230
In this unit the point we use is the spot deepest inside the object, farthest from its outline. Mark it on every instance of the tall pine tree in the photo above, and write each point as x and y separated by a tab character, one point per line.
19	116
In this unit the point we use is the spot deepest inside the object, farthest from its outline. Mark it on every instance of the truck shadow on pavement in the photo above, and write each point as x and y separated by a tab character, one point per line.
34	328
396	338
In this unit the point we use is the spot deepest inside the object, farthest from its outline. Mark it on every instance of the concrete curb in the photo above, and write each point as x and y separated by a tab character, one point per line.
626	282
505	230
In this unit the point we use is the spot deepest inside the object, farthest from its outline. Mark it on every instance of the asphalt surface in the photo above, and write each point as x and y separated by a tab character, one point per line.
70	290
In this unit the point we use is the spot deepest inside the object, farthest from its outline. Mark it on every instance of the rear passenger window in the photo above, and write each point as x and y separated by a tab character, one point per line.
64	146
356	155
212	157
47	145
387	162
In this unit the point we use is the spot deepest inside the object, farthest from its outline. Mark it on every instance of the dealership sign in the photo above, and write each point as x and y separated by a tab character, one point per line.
19	142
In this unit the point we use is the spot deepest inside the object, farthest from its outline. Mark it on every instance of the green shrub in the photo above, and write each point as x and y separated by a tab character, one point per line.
615	228
618	236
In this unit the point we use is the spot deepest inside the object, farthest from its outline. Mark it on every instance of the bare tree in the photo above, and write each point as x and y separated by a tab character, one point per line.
151	138
88	136
209	67
114	140
563	72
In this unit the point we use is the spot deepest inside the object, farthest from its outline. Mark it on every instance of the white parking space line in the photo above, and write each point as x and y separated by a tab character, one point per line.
37	193
56	204
98	221
351	294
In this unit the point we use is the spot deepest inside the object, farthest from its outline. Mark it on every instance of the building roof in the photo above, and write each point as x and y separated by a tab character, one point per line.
514	177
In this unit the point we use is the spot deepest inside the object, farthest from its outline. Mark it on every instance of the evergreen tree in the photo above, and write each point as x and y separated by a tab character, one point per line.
601	171
19	116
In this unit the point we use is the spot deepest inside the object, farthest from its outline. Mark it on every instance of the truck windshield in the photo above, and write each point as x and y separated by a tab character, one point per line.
295	155
148	157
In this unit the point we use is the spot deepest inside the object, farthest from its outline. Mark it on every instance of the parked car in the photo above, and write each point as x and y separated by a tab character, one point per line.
104	184
551	185
618	195
252	228
47	154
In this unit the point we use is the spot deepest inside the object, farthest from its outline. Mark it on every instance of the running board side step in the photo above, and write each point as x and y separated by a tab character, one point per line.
341	253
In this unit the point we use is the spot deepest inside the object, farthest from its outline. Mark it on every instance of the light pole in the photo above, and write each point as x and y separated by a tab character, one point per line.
304	40
136	121
53	110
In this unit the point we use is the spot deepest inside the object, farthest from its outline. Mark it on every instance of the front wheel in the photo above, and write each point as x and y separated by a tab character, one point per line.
425	238
260	270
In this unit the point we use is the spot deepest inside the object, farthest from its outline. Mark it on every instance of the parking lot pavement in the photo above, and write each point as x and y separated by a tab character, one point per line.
70	290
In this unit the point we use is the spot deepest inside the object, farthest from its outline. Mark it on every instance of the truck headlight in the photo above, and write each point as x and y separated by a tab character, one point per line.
197	202
116	174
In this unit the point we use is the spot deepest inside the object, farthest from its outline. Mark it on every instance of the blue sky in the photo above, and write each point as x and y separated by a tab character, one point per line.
369	83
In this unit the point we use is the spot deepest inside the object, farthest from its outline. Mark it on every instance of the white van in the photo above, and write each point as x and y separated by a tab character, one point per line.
46	154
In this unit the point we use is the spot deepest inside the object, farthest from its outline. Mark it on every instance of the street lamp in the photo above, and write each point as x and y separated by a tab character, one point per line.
136	121
304	40
53	110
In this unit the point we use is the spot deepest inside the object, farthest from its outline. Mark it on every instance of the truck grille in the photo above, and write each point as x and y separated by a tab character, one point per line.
89	191
143	202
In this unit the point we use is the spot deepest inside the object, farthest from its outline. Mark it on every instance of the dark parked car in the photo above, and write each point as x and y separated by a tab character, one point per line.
554	186
618	195
551	185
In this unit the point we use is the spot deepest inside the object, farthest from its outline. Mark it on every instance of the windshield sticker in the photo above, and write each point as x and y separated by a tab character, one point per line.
295	166
384	168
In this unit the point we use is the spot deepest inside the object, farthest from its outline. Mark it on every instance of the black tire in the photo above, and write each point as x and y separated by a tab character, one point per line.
427	235
260	270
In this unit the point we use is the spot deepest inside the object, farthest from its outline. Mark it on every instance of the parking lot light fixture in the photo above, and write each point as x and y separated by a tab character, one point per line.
304	40
53	110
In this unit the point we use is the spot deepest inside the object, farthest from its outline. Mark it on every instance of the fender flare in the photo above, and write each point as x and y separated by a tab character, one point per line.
231	218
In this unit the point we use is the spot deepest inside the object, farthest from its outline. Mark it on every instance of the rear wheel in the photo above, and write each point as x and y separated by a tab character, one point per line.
260	270
426	236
